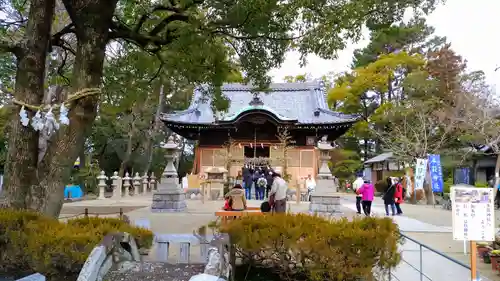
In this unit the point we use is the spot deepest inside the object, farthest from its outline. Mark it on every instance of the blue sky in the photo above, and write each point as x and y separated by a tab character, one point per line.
472	27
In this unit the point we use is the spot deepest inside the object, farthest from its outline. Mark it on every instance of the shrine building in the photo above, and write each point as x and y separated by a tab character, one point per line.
279	128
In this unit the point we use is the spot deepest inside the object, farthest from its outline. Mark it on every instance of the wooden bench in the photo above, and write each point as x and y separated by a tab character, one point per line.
227	216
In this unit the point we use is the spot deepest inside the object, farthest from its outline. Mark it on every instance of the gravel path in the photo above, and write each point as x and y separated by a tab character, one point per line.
154	271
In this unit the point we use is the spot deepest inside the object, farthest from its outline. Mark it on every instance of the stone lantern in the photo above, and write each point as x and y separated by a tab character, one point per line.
215	180
169	196
324	199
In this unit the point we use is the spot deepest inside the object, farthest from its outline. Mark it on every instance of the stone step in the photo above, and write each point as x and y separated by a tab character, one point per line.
153	271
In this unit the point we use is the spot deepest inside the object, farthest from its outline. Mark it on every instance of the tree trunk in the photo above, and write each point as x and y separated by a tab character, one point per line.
154	131
92	20
22	156
128	152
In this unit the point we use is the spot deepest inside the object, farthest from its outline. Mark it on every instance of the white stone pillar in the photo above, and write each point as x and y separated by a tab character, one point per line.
126	185
102	184
137	184
117	187
152	182
145	183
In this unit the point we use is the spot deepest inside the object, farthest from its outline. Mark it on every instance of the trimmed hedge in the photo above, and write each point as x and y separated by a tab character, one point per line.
303	247
30	242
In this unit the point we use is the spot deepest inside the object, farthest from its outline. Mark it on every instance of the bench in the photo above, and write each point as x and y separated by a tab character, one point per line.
226	216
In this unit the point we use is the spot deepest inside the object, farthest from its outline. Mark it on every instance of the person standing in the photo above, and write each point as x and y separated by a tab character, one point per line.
269	179
399	197
255	177
311	186
247	181
367	192
260	186
389	197
356	185
277	196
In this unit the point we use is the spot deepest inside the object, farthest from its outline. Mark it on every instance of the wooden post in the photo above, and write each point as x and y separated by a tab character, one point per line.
86	212
412	179
297	192
473	261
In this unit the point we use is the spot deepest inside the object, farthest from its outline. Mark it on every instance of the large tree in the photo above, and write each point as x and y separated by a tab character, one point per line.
259	31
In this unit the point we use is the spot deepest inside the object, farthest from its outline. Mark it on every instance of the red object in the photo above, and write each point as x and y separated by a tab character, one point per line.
398	194
226	205
495	262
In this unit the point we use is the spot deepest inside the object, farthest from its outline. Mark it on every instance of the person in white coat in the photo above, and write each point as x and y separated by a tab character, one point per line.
355	186
310	185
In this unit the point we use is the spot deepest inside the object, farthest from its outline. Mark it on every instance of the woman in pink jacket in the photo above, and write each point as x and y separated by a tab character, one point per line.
367	192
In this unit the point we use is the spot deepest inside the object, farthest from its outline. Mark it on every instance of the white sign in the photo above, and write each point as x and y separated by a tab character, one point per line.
473	213
420	171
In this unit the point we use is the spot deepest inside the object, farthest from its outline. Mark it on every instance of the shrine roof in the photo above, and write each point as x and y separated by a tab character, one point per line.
300	103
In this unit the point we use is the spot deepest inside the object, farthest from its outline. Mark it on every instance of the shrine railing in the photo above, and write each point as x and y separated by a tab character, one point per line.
413	266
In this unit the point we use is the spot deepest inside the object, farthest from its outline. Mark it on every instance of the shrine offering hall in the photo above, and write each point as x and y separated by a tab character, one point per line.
257	126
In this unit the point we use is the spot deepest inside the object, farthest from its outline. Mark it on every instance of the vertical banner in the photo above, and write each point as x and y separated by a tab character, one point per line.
436	172
420	171
462	176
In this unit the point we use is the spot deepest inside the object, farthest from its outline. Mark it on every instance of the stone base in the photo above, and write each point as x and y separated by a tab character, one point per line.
168	201
324	205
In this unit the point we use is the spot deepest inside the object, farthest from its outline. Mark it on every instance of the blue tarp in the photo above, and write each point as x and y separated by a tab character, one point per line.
73	191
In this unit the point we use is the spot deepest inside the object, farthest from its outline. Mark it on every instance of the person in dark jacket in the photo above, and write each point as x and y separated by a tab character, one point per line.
389	197
269	178
247	181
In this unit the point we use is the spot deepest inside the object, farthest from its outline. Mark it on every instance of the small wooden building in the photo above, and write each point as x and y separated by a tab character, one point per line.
250	130
382	166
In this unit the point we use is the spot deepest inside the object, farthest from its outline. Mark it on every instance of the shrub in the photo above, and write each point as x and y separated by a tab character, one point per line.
303	247
481	184
30	242
104	226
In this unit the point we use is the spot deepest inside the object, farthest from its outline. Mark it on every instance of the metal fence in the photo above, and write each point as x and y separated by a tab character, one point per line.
420	262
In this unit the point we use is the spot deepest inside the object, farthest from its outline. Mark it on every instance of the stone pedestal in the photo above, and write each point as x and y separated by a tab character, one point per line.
325	200
169	197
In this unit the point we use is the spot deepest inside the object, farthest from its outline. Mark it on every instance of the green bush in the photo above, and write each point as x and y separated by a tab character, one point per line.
104	226
30	242
481	184
303	247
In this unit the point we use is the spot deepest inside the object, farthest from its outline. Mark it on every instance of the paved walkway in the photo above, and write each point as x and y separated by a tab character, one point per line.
438	238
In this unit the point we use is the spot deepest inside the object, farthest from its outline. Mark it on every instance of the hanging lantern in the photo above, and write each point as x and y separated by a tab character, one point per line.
251	145
239	145
261	145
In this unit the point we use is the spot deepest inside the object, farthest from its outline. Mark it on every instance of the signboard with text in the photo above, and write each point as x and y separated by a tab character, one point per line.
436	173
420	171
473	213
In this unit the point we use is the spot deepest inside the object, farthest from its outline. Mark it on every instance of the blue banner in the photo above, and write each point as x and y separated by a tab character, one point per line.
436	172
462	176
